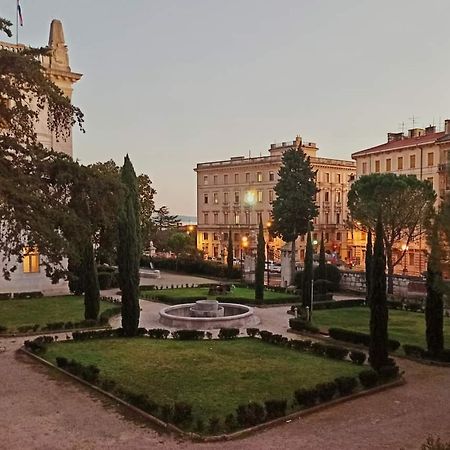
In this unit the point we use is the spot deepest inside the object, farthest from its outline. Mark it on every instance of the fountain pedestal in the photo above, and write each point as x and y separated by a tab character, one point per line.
206	308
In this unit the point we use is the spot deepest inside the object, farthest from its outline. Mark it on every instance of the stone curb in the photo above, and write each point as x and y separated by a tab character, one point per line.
223	437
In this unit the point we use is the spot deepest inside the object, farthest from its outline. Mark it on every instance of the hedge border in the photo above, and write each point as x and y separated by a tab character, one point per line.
230	436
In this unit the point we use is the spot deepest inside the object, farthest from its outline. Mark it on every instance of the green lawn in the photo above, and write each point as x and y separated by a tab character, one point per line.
214	376
404	326
20	312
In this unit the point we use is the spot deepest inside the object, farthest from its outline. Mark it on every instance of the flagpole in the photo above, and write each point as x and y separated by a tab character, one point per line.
17	22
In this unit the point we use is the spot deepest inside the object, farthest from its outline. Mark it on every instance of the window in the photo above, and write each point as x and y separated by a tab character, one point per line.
338	218
327	196
216	198
388	165
270	196
259	177
327	177
216	218
430	159
236	237
205	199
338	178
338	236
411	259
225	218
260	196
364	168
430	180
236	197
205	179
315	237
215	236
236	218
247	217
205	236
377	166
259	217
271	176
225	179
30	260
327	218
225	236
205	218
338	197
247	177
215	179
400	163
327	237
302	254
236	178
225	198
412	161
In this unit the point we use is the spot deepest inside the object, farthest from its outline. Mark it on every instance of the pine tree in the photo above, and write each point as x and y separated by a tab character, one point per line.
294	206
434	317
260	263
378	348
230	254
369	256
308	273
129	250
91	286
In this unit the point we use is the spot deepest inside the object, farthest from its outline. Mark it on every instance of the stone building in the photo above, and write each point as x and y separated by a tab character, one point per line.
424	153
234	194
29	277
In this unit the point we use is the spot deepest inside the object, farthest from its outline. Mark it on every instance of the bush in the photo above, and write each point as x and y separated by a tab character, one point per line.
300	344
104	280
266	336
326	391
339	304
230	422
158	333
356	337
306	397
358	357
413	350
330	273
166	413
182	412
252	332
298	324
368	378
188	335
25	328
38	345
444	355
336	352
213	424
228	333
267	301
250	415
298	279
388	372
107	314
318	348
61	362
3	329
346	385
275	408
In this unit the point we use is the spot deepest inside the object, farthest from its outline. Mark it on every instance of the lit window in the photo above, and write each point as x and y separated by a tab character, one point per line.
400	163
30	260
412	161
259	177
260	196
236	218
270	196
236	197
216	198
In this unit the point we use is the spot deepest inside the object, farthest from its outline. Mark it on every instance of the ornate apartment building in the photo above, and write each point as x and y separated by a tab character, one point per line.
29	276
424	153
234	194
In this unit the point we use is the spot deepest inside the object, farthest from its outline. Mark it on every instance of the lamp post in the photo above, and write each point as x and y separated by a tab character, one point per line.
244	244
405	249
269	224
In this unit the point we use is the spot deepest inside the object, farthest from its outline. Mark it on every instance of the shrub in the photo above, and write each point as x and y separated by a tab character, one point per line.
298	279
339	304
331	273
38	345
388	372
199	425
250	414
166	413
346	385
25	328
326	391
368	378
356	337
108	313
158	333
214	424
275	408
230	422
414	351
188	335
444	355
61	361
300	344
228	333
358	357
105	280
306	397
3	328
318	348
336	352
182	412
266	335
90	373
55	326
298	324
252	332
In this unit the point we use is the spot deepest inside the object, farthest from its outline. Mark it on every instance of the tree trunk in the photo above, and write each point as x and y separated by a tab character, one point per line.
390	266
292	281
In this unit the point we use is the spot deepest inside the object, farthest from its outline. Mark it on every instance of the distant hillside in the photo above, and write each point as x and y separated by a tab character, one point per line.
188	220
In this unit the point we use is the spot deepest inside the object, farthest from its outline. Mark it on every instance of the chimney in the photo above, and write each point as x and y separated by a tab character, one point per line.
416	132
395	137
430	129
447	126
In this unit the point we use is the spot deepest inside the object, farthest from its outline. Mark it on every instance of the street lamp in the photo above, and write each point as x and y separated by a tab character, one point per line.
405	249
244	244
269	224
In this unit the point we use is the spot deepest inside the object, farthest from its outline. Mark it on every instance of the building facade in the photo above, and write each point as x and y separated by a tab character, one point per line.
233	195
29	276
424	153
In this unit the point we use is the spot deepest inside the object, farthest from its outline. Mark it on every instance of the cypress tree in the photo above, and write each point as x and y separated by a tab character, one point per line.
434	317
369	256
230	254
91	286
322	260
129	249
378	348
307	273
260	263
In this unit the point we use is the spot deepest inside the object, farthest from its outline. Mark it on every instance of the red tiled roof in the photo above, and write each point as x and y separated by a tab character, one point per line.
407	142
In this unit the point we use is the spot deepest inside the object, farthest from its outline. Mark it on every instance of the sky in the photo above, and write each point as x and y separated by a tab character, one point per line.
177	82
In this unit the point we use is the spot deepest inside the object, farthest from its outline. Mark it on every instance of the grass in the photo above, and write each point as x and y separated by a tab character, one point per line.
247	295
405	326
43	310
214	376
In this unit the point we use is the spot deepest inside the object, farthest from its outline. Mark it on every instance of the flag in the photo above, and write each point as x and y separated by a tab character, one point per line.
19	13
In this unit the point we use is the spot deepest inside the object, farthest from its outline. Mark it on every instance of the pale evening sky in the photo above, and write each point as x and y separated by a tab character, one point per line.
176	82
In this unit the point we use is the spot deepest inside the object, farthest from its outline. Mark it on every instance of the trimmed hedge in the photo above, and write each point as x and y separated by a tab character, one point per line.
339	304
228	333
356	337
266	301
188	335
298	324
175	300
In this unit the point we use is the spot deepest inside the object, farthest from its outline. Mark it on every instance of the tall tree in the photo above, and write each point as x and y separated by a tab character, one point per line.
147	209
129	249
434	307
378	348
294	206
260	263
407	205
322	260
368	261
91	286
230	254
308	273
165	220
